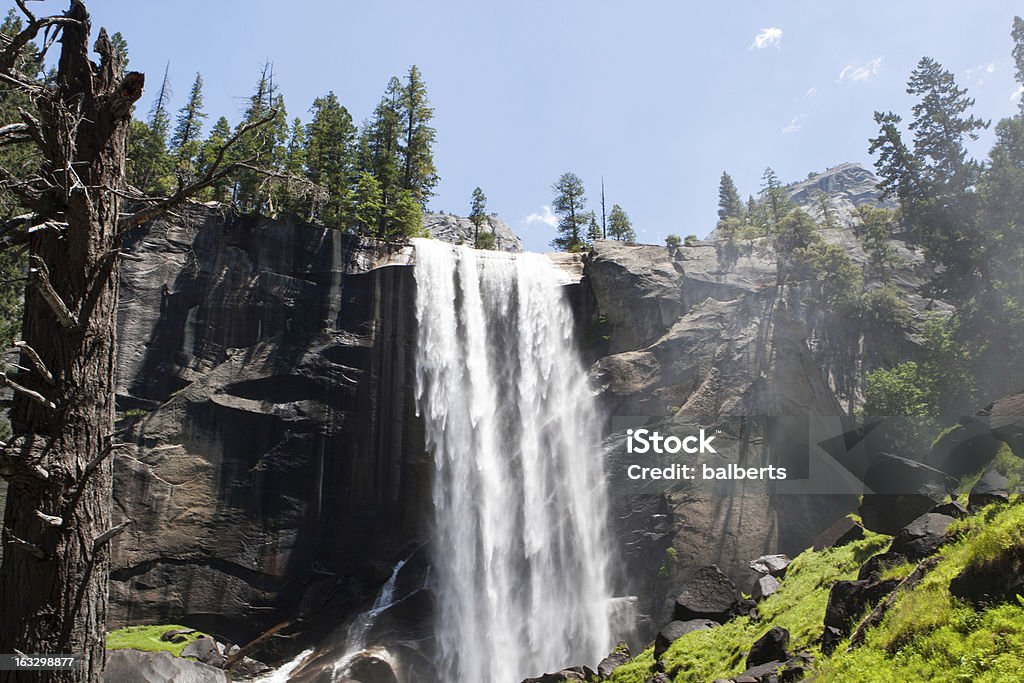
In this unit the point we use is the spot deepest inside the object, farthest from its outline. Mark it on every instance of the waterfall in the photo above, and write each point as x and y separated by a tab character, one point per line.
520	548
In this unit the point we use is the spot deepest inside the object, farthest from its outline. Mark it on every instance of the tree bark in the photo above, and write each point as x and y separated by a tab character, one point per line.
58	521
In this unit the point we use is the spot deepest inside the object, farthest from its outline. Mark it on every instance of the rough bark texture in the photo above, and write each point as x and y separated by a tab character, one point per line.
54	595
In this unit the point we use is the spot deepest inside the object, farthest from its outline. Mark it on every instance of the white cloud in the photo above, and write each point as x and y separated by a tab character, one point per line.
980	73
861	72
811	92
768	37
1018	93
796	124
545	217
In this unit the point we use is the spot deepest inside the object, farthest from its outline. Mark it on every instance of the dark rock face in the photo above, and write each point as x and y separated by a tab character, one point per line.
771	647
674	630
1000	580
922	537
133	666
205	650
278	465
847	601
707	594
1006	420
952	509
991	488
903	490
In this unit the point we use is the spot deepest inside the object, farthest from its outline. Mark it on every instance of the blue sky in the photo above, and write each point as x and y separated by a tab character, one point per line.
657	97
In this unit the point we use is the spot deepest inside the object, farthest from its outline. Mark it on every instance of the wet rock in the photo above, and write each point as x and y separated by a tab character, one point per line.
775	565
771	647
765	586
848	600
576	673
133	666
675	630
371	669
991	488
658	678
762	673
922	537
997	581
619	656
707	594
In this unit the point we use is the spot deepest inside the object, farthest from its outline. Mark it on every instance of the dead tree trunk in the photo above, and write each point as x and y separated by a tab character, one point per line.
53	582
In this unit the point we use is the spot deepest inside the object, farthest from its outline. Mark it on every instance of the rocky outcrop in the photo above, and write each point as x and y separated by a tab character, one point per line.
157	667
845	187
458	230
276	467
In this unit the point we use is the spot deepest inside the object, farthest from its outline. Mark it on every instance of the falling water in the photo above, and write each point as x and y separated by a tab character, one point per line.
521	551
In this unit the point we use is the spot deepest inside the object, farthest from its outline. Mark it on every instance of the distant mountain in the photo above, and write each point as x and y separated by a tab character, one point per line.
847	185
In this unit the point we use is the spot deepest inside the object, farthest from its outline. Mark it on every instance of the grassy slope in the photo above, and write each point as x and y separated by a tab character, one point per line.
927	635
148	638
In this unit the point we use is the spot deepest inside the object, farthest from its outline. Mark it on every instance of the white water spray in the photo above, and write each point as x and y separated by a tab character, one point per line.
521	551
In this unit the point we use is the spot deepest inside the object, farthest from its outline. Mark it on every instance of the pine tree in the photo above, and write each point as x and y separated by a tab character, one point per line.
367	204
330	159
404	217
604	218
477	214
729	204
379	152
568	205
593	229
185	143
1018	57
419	175
219	190
774	199
150	165
292	200
263	146
619	226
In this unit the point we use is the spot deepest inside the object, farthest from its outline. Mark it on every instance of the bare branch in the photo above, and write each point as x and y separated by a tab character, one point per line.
12	129
34	395
110	533
36	361
212	175
9	56
39	276
24	8
49	520
30	548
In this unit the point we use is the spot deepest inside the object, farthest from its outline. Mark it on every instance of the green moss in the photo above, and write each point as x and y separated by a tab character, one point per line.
798	606
929	635
147	638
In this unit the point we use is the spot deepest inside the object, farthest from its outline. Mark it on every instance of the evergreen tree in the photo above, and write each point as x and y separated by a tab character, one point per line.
264	146
477	214
774	200
619	226
185	143
292	200
593	229
150	165
404	217
330	158
874	226
1018	56
120	46
367	204
729	204
568	206
379	152
419	176
220	190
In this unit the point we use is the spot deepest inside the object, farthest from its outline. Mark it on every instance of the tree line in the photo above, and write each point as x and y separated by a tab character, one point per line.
375	179
578	227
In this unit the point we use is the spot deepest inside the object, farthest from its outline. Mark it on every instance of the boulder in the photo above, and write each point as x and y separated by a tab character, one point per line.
176	635
771	647
133	666
369	668
922	537
619	656
847	601
1006	420
902	490
765	586
674	630
951	509
658	678
991	488
775	565
707	594
842	532
877	564
762	673
206	650
997	581
576	673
